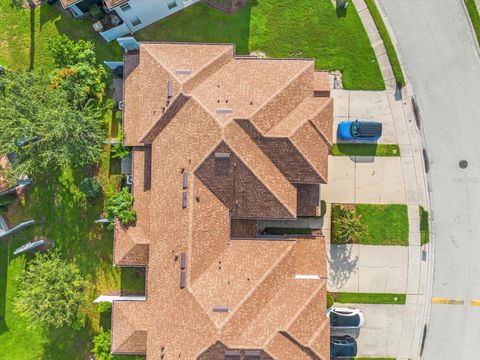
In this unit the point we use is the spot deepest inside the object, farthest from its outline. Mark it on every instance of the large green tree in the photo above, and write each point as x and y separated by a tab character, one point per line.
44	128
50	291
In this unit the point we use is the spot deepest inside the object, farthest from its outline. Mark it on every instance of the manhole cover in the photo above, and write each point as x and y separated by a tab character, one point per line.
463	164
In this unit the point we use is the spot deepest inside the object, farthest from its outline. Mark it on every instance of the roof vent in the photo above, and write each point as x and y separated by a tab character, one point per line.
224	111
169	88
183	71
182	279
185	180
220	309
307	277
221	155
252	354
183	260
184	199
233	353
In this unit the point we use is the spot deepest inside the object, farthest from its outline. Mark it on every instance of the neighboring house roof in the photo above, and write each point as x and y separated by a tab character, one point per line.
222	150
67	3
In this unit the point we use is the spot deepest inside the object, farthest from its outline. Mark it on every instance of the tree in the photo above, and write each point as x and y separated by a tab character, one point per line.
101	345
90	187
77	70
120	206
43	128
50	291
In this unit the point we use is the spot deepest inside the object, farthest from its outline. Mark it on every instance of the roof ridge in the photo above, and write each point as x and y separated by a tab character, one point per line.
293	213
179	96
293	130
161	63
206	65
281	89
306	158
277	262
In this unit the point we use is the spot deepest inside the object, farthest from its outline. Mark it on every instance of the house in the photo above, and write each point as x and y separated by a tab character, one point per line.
133	15
221	142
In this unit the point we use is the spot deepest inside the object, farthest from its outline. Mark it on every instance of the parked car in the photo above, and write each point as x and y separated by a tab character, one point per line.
359	130
343	347
345	321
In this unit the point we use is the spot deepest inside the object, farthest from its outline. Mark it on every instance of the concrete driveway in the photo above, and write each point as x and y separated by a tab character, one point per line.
363	179
366	105
367	268
380	336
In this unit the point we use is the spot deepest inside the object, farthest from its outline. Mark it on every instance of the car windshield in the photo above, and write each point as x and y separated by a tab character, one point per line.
354	128
343	320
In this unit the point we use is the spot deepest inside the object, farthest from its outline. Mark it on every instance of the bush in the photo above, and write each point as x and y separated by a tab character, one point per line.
101	345
50	291
6	200
104	306
120	206
119	151
330	300
347	225
90	187
77	70
323	208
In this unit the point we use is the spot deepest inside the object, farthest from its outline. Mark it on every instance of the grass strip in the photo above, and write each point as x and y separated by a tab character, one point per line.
365	150
474	16
382	224
369	298
424	226
387	41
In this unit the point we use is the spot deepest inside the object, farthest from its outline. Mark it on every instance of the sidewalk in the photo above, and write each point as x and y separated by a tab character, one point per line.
377	44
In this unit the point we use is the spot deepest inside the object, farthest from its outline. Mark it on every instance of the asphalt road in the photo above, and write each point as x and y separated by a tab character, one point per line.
444	69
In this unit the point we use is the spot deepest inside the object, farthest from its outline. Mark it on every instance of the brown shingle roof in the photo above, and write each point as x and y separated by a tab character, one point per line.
199	170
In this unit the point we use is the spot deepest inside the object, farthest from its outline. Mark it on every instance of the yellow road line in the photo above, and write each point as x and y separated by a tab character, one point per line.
439	300
475	302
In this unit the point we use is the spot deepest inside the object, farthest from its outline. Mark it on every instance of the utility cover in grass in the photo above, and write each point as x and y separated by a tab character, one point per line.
370	224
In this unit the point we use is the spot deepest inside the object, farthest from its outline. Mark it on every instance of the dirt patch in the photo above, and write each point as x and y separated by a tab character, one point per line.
226	6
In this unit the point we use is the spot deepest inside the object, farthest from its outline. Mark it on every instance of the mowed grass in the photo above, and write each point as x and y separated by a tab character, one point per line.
282	28
387	41
424	226
369	298
382	224
24	35
365	150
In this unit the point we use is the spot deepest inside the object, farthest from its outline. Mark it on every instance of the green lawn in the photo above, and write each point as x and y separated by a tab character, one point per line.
20	50
365	150
474	16
383	224
368	298
424	226
282	28
387	41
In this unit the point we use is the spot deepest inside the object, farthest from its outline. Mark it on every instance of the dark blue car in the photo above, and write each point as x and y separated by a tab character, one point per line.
344	347
359	130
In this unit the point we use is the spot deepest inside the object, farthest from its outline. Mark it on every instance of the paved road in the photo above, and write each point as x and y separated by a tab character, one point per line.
444	70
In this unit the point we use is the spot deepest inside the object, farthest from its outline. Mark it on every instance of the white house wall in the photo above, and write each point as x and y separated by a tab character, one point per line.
149	11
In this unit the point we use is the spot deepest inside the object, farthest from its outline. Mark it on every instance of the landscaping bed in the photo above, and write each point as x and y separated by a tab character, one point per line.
370	224
282	28
424	226
365	150
474	17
